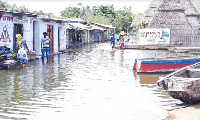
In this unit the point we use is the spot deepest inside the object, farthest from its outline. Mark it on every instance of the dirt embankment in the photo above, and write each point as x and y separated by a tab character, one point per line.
185	112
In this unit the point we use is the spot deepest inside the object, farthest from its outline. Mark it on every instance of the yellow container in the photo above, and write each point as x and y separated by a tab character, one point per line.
122	32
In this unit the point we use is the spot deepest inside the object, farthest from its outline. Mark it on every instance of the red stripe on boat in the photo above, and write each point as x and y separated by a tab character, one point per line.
154	67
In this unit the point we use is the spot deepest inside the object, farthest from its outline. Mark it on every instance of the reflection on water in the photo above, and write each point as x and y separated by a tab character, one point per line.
95	82
147	78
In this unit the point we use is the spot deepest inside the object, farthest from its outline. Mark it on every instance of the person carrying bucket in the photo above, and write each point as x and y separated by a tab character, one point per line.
22	50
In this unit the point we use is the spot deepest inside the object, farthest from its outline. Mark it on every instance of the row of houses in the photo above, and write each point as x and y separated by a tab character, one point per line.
63	33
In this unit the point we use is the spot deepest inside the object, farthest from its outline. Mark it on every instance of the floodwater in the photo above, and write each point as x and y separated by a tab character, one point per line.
94	82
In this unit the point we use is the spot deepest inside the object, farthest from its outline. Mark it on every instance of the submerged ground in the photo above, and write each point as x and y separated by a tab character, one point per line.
94	82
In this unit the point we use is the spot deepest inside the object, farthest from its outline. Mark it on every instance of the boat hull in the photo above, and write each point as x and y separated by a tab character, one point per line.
183	84
151	66
185	96
184	90
161	67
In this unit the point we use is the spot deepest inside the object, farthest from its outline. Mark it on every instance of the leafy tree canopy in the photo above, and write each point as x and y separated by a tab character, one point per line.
121	19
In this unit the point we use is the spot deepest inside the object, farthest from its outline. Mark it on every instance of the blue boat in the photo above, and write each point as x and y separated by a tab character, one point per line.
170	64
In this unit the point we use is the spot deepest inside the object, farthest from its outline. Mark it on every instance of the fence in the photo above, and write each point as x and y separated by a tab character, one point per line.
189	37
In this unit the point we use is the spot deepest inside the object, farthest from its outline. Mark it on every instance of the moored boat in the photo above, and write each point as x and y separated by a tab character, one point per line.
183	84
163	65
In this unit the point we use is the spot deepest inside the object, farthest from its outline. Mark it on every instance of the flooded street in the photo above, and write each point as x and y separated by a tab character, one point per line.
95	82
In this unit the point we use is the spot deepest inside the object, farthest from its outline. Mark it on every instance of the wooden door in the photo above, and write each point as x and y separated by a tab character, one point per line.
59	38
50	34
34	35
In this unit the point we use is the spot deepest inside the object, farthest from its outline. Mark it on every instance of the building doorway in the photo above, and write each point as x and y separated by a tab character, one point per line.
34	35
18	29
50	34
59	38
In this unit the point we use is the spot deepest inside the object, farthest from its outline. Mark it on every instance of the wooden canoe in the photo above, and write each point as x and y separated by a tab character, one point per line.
183	84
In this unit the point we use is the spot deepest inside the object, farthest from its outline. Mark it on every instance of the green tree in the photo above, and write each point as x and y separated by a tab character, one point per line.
106	11
12	7
80	11
84	12
143	24
70	12
3	5
22	9
98	19
39	12
123	19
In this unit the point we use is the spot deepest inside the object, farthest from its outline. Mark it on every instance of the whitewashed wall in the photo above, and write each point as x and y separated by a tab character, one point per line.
55	36
41	27
86	36
154	36
67	35
38	35
91	36
62	38
27	29
6	30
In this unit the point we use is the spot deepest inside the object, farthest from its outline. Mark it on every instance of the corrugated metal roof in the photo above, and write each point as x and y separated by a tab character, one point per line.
79	26
104	25
94	27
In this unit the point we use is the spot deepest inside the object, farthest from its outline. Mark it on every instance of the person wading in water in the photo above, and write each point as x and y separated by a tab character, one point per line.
45	41
121	42
22	50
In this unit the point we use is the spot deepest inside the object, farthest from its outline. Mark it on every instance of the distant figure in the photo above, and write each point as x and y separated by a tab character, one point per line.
117	37
128	37
121	42
45	41
112	41
73	37
22	50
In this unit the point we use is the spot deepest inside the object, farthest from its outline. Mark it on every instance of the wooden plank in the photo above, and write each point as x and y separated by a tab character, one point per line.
189	38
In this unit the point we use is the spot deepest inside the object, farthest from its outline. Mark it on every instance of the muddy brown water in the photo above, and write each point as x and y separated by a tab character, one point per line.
94	82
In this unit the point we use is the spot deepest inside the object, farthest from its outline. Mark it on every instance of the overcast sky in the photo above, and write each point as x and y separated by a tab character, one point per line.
55	6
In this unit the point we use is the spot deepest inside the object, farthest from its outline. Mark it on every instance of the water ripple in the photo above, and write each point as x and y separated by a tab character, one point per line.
95	82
